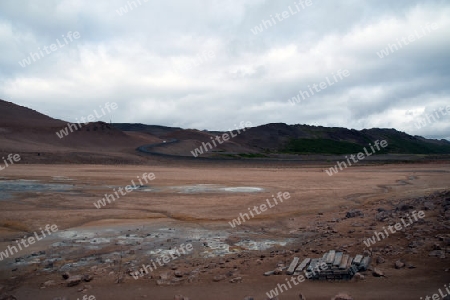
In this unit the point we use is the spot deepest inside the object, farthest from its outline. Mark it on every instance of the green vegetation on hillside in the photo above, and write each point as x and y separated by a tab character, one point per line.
397	145
320	146
404	145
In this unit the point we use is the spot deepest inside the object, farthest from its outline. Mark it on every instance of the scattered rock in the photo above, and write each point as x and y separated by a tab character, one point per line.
359	277
178	273
120	278
236	280
382	216
380	260
160	282
445	239
74	280
428	205
48	265
87	278
47	284
436	246
404	207
354	213
399	264
415	244
278	271
65	275
437	253
218	278
211	266
410	266
342	296
192	278
377	272
84	288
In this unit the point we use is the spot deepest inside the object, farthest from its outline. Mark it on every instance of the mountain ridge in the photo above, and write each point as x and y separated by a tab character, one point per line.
22	127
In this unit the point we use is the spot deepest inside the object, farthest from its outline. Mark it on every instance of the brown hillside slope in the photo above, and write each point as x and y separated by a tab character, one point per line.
26	131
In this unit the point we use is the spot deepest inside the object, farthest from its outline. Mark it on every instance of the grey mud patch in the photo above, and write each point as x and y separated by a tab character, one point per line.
209	188
101	245
10	187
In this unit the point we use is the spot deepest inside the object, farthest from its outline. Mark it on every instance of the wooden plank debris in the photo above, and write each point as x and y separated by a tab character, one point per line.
337	259
313	264
344	261
302	266
350	262
364	265
330	257
332	265
358	259
292	266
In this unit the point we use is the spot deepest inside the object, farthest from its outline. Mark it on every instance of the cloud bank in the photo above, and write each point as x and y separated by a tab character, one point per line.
203	64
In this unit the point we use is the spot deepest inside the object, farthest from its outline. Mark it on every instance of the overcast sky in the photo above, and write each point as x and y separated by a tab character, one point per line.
199	64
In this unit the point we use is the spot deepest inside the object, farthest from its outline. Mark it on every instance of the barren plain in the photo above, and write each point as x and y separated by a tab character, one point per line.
194	204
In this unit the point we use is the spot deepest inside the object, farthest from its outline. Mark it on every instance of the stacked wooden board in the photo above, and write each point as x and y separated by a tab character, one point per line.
333	265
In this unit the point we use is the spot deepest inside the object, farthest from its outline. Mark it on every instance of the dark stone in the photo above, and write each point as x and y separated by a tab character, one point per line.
87	278
354	213
74	280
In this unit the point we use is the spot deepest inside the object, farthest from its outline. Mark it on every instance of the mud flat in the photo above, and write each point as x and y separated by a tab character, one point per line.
195	205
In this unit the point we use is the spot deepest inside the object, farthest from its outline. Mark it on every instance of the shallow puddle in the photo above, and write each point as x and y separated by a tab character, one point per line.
9	187
214	188
61	184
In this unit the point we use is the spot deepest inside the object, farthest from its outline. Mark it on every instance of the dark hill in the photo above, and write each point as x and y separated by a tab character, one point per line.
305	139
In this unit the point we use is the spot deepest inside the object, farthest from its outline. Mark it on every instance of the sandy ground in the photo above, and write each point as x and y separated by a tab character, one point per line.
312	221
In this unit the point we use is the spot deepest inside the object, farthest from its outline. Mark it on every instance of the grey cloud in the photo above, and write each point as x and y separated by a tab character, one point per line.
130	59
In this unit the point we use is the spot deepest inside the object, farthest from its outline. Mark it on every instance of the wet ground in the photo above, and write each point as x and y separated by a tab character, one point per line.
91	245
8	188
79	249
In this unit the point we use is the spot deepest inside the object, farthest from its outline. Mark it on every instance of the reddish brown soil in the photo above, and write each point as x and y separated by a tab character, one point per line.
317	206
